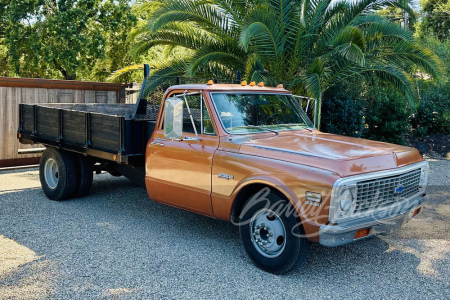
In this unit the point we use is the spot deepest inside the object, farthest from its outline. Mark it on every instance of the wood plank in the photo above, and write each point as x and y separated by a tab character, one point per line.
42	96
89	96
11	96
28	95
7	122
66	96
3	113
15	123
101	97
112	97
78	96
53	96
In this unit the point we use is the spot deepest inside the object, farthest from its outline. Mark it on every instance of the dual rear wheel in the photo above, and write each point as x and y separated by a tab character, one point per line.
64	175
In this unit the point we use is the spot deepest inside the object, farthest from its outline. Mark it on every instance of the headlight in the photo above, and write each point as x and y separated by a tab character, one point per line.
346	200
343	202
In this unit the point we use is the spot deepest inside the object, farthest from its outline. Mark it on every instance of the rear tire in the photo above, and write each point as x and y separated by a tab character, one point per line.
58	174
85	175
274	239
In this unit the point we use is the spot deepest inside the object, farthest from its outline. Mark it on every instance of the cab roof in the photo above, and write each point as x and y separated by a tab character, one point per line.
228	87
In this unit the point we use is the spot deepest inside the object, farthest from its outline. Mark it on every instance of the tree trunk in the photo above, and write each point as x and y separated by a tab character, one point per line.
67	75
318	112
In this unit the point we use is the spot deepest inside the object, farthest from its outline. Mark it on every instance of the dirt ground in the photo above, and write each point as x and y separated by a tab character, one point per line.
436	146
117	244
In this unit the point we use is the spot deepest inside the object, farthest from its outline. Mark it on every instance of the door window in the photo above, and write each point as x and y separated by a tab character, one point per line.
200	115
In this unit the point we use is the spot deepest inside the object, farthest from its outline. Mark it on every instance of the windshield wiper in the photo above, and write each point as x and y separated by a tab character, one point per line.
259	127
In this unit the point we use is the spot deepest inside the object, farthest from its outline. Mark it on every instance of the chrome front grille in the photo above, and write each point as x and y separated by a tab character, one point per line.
376	193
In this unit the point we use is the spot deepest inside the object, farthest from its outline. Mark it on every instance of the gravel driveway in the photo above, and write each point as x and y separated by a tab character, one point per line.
117	244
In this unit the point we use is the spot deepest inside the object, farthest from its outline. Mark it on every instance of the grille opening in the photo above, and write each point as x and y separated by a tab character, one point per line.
380	192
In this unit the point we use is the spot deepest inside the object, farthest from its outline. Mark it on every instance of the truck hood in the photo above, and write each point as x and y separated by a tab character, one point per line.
345	156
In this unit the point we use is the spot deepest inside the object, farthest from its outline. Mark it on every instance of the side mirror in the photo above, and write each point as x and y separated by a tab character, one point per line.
173	118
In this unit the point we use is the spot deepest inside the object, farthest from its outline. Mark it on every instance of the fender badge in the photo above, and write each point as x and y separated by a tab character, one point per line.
313	203
225	176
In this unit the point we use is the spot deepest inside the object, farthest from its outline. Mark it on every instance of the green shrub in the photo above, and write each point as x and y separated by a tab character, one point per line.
387	118
433	113
342	115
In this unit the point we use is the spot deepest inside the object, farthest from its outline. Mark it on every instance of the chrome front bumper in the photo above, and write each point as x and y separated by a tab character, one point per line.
380	223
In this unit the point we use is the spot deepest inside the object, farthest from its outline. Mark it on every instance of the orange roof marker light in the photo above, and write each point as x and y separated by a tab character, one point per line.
210	82
261	84
280	86
244	83
252	83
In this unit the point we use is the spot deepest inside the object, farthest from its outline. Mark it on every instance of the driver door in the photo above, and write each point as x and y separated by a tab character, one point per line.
179	171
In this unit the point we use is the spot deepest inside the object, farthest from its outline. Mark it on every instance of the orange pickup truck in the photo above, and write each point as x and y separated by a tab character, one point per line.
242	153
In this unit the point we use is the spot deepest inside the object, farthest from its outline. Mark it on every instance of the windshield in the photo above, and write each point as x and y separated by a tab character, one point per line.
242	113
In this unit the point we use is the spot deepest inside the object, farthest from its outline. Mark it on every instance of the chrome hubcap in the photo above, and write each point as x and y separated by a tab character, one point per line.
51	173
268	233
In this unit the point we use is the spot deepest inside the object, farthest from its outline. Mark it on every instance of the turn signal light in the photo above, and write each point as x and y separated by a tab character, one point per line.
244	83
416	212
362	233
210	82
252	83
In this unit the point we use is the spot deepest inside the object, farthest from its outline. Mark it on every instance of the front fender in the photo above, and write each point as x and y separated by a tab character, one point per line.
238	171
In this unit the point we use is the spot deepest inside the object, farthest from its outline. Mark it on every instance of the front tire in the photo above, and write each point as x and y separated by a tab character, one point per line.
272	235
58	174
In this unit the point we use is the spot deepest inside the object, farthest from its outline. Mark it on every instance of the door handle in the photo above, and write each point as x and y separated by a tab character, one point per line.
157	144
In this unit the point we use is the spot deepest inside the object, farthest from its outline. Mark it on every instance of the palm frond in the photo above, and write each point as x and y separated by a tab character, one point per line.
182	35
415	56
393	75
261	28
205	15
115	76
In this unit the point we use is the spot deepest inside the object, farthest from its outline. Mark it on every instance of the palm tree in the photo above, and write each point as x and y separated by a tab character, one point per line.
308	45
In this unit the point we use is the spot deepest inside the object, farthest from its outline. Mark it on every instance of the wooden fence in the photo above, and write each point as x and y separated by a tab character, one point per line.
26	90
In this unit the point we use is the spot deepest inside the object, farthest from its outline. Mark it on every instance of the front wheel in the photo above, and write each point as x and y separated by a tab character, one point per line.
272	235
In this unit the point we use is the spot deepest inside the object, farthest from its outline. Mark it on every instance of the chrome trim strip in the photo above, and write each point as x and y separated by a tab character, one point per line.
293	152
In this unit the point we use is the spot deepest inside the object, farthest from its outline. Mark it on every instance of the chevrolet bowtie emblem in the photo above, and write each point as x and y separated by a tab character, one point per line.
399	189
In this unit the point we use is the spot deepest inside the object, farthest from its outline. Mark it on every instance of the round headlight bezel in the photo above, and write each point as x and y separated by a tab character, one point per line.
347	201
